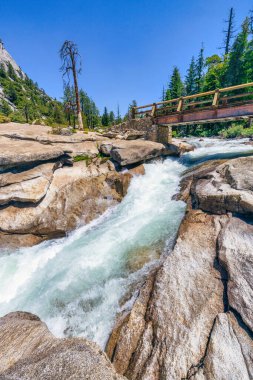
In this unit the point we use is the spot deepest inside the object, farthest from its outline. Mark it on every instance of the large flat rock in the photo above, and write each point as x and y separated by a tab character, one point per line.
26	186
131	152
43	134
227	188
16	153
29	351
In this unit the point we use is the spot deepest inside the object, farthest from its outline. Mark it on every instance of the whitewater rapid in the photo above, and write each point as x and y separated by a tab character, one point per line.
75	284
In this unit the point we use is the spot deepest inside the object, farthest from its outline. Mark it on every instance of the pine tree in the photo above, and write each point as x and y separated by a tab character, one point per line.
111	118
190	80
236	67
176	86
130	107
199	70
69	103
229	31
105	118
214	77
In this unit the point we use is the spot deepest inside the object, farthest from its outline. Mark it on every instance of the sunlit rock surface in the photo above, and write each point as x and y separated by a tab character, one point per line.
44	193
29	351
193	319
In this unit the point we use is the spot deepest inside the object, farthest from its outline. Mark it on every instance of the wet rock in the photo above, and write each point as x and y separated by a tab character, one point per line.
178	147
11	241
29	351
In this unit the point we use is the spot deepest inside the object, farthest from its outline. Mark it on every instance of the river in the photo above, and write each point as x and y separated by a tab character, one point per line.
75	284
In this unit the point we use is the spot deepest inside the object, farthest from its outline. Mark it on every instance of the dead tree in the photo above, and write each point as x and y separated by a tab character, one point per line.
229	31
71	63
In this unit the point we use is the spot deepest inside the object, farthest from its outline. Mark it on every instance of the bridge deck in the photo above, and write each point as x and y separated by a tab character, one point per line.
207	116
231	103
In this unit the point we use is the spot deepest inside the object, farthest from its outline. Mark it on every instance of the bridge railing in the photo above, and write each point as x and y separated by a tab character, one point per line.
224	97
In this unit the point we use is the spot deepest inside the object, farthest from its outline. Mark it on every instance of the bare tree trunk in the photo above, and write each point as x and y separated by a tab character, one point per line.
78	107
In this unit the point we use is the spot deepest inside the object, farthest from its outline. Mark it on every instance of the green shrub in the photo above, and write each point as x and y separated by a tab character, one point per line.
81	158
237	130
4	119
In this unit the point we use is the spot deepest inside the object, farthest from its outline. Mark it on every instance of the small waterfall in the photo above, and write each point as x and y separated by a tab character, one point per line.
75	283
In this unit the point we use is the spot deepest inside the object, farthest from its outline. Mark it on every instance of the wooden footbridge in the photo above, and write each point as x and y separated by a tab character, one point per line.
221	105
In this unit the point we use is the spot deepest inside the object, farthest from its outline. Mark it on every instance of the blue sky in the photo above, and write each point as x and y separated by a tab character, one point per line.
128	47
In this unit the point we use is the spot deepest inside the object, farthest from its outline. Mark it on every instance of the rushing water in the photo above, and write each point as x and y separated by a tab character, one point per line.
75	284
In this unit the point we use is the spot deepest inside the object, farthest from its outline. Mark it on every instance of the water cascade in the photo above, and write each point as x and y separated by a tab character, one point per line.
75	284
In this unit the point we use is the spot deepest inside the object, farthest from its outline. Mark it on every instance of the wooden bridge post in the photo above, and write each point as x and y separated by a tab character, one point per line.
153	112
180	105
216	99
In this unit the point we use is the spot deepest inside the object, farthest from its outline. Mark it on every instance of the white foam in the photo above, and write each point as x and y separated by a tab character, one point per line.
75	283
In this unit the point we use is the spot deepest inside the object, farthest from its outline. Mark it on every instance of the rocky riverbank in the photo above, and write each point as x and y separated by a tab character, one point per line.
193	318
50	184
